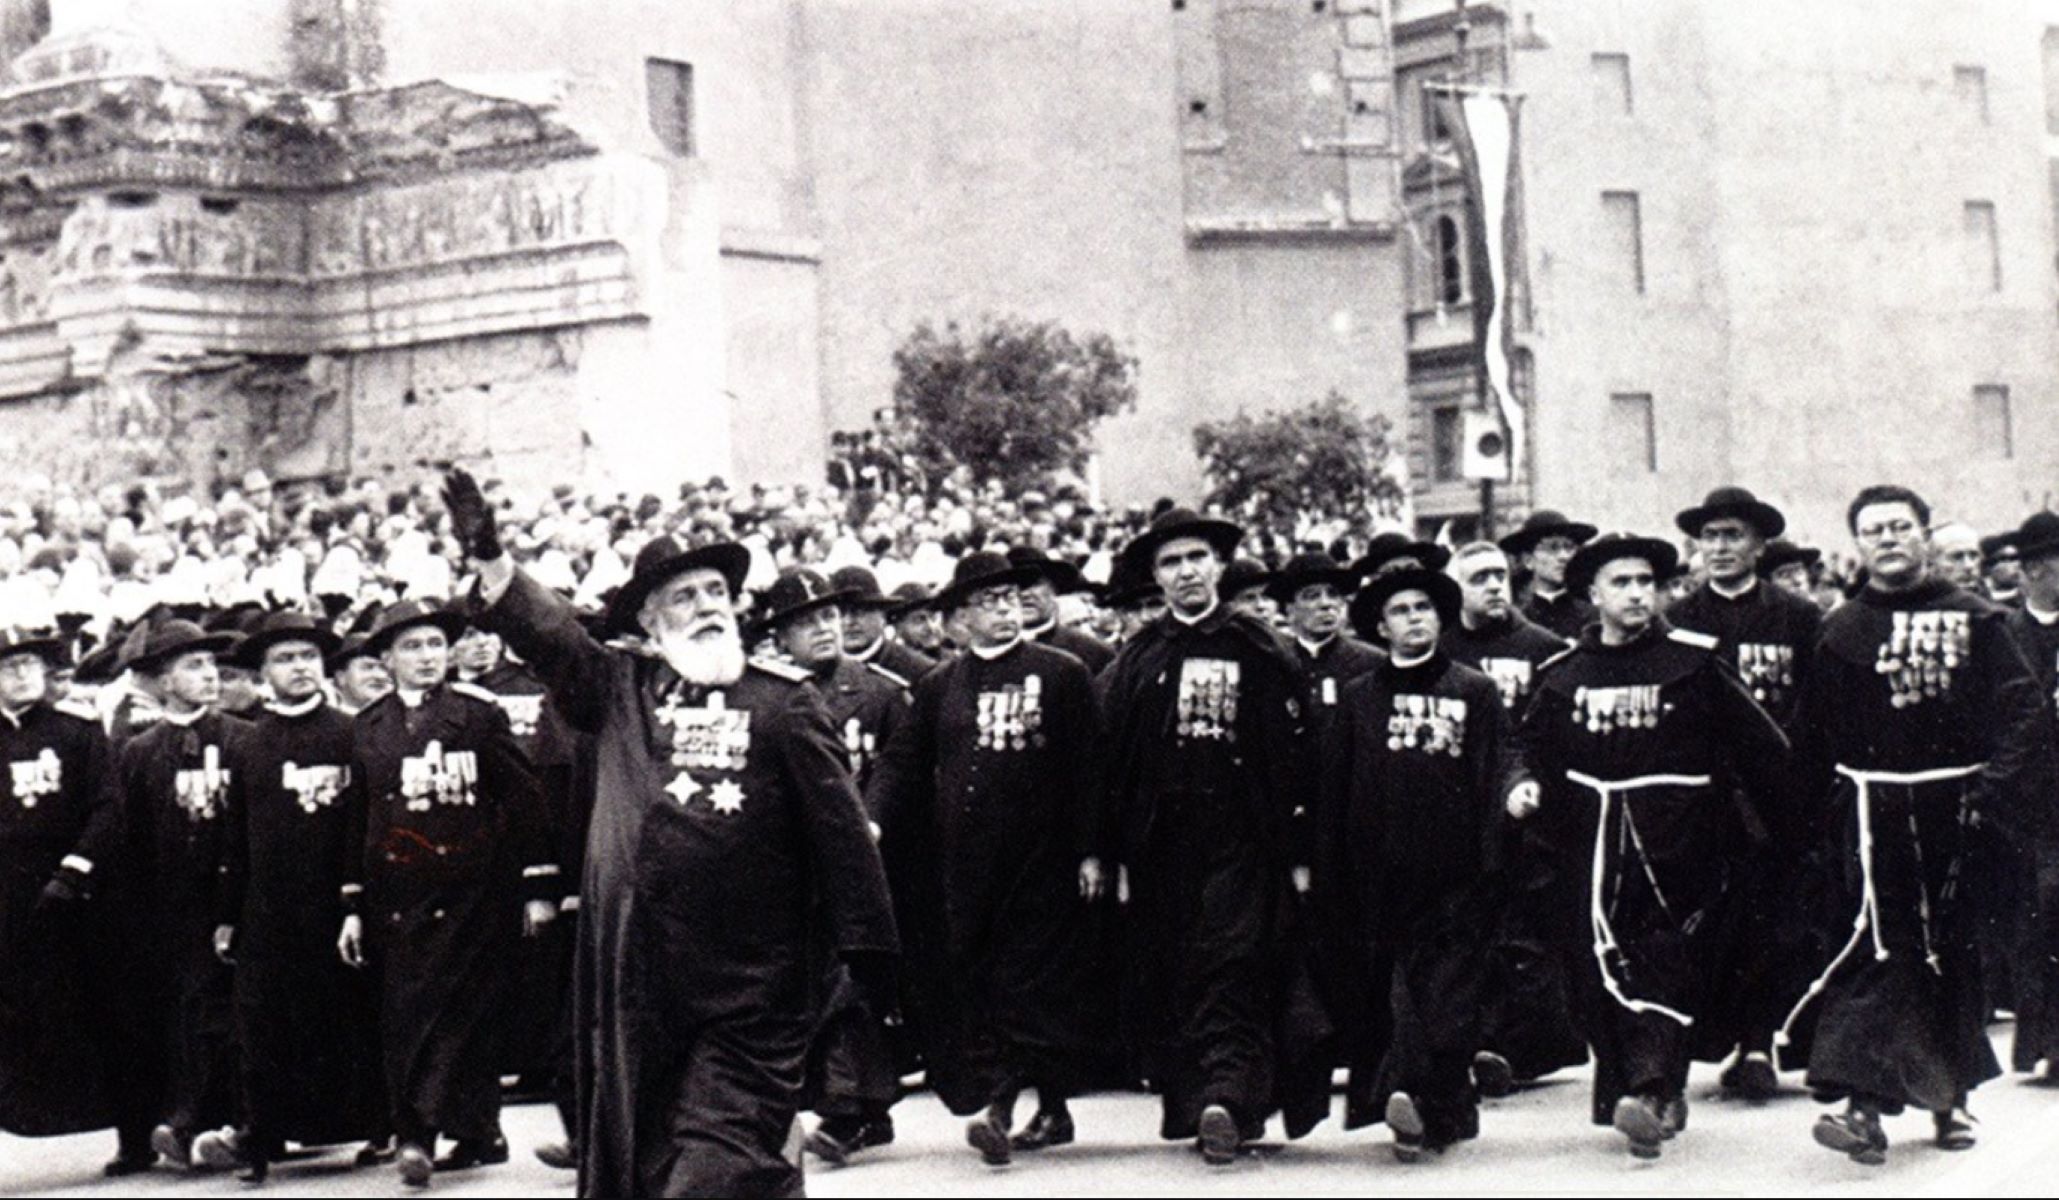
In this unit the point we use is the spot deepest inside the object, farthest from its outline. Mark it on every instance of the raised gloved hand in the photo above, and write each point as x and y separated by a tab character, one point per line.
471	518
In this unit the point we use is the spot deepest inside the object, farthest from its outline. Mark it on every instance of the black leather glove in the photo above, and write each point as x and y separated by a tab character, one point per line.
471	518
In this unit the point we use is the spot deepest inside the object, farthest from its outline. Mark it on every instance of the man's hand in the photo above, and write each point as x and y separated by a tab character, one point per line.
1093	884
471	518
350	944
537	916
1302	880
1524	799
225	943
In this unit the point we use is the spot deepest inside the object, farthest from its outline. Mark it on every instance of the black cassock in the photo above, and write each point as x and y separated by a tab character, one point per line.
175	785
1640	748
1208	766
305	1022
728	858
1919	716
1410	825
2033	920
58	812
1541	939
456	837
992	783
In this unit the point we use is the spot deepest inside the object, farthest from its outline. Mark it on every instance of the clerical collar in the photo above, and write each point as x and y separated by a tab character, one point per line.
990	653
1040	630
1750	582
2040	616
184	720
1315	649
1546	594
1192	621
1403	664
16	718
410	697
300	709
868	652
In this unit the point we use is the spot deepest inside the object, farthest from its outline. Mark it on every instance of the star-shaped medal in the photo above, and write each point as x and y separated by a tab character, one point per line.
727	797
683	788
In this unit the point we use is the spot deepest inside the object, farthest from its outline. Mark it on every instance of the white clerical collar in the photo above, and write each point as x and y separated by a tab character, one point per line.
866	655
1405	663
1315	649
990	653
15	718
1205	613
295	710
182	720
410	697
1750	582
1548	594
1040	630
2042	618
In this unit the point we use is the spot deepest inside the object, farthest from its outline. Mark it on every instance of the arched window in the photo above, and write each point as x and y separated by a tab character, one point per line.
1451	274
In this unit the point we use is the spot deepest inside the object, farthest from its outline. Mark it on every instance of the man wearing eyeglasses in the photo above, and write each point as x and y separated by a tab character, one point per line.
988	799
1918	722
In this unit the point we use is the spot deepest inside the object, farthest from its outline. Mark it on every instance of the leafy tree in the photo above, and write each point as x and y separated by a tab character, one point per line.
1287	469
1011	400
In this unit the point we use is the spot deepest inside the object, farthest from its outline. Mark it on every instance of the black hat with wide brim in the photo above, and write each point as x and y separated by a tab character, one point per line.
660	560
1177	523
1590	559
1240	576
1064	578
350	649
909	599
1732	502
1442	589
984	569
284	627
797	592
1783	553
166	641
1308	570
49	648
863	587
410	614
1542	524
2039	537
1390	548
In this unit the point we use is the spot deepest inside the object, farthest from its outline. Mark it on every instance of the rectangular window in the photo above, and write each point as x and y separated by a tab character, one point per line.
1970	85
1612	84
1633	432
1436	130
1993	424
669	86
1447	444
1983	246
1625	238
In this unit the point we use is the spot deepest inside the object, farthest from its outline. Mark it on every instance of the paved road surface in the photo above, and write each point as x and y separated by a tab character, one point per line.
1535	1142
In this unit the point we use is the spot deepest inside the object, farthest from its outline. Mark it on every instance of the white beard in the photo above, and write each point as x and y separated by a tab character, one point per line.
716	662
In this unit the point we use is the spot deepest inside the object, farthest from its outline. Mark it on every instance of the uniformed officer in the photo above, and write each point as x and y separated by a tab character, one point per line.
1544	545
729	858
1639	734
458	861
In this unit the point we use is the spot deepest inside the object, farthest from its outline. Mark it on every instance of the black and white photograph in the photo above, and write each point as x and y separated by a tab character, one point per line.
990	598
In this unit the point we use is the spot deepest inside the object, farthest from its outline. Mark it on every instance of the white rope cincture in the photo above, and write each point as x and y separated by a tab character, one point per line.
1598	909
1868	920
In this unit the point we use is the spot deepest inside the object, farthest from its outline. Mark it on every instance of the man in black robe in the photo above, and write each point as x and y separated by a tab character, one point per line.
1056	578
729	858
174	780
864	612
852	1082
458	862
1411	819
60	830
1639	735
1768	635
1540	944
1919	720
993	781
1544	545
1314	591
2034	927
1206	761
305	1022
916	623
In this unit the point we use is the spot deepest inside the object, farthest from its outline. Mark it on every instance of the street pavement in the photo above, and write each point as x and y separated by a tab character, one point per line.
1533	1143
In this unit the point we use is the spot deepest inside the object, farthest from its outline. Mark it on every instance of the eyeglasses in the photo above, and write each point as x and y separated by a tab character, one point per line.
997	601
1898	530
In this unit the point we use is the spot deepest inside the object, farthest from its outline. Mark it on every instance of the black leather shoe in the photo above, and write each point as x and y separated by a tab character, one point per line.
559	1156
174	1146
121	1166
1673	1116
416	1166
1751	1079
1856	1135
1045	1130
1641	1120
986	1134
1220	1136
1411	1136
1493	1077
467	1153
835	1140
255	1170
371	1154
1954	1130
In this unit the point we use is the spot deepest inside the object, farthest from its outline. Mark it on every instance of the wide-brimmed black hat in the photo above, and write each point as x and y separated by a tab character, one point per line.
863	587
2039	537
1240	576
347	651
407	615
1999	547
284	627
797	592
1176	523
662	558
1591	558
49	647
1783	553
1542	524
1064	578
1390	548
101	665
1732	502
167	640
984	569
1308	570
1442	589
909	599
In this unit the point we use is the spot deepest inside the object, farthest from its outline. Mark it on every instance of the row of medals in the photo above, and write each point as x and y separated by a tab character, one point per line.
1921	654
1429	723
1013	718
1606	710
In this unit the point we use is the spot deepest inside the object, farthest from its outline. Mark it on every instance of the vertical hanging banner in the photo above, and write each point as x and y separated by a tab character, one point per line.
1485	128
